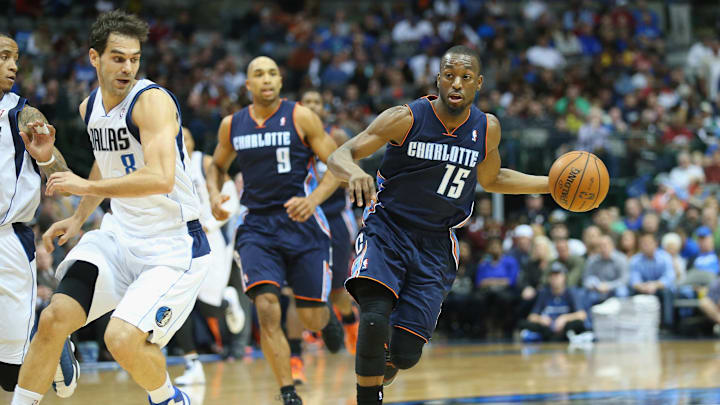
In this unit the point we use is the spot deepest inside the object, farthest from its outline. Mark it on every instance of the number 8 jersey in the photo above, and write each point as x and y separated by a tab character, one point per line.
116	145
275	162
428	181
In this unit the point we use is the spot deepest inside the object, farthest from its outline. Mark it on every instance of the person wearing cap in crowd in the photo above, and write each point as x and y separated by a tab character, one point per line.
557	311
706	266
522	237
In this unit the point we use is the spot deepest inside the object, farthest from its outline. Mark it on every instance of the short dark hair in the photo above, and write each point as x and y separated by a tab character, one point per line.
4	34
118	22
464	50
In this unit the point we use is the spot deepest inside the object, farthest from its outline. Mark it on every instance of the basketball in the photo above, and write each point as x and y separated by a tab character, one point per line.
579	181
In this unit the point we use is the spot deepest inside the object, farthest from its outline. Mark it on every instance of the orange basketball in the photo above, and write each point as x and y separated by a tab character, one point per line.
579	181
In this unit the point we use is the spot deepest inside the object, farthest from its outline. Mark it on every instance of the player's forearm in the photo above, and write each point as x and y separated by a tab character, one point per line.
213	178
86	207
58	164
342	165
325	189
140	183
513	182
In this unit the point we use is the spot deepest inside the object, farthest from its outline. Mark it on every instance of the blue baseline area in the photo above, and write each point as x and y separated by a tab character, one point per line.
675	396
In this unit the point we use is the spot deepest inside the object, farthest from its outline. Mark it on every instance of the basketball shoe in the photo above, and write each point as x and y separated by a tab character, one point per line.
179	398
67	372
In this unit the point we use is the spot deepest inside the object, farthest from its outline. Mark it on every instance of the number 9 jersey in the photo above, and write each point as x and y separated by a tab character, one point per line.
428	181
275	162
116	145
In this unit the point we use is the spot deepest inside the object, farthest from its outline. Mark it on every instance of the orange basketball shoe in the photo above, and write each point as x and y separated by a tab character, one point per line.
298	370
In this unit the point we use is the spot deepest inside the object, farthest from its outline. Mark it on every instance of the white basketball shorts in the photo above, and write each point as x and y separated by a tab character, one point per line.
149	282
18	292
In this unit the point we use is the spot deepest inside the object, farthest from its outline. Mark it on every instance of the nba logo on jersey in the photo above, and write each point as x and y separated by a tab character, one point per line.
162	316
474	135
365	264
1	113
282	121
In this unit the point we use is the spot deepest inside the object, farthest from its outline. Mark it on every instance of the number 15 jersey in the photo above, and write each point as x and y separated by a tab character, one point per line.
275	162
115	140
428	181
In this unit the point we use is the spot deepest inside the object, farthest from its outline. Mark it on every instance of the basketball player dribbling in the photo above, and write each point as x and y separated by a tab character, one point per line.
438	148
148	259
19	200
285	236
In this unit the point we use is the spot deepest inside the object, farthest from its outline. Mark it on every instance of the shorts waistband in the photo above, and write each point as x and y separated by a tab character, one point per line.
194	226
267	211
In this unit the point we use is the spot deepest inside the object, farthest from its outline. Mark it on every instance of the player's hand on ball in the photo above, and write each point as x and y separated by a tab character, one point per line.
65	229
67	182
39	141
299	209
361	188
216	202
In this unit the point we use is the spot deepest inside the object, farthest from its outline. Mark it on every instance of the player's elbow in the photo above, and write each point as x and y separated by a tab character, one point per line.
166	185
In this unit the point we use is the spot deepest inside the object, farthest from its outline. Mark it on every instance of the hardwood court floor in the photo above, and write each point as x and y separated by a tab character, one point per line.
684	372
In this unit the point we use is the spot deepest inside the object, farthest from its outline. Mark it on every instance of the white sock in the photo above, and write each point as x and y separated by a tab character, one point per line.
162	393
25	397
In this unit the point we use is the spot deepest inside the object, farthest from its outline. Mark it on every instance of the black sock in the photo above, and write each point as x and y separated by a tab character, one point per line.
287	389
295	347
349	319
369	395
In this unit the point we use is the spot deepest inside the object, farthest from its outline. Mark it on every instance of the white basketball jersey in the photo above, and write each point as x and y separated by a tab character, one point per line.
116	144
197	173
20	177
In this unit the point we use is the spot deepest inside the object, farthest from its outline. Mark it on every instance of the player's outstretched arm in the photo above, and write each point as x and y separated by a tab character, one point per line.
155	115
312	131
39	138
217	171
69	227
505	181
392	125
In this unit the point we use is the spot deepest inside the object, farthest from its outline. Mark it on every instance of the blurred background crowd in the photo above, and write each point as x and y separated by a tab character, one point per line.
630	81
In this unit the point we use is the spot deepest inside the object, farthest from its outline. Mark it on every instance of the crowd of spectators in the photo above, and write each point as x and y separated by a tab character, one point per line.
587	75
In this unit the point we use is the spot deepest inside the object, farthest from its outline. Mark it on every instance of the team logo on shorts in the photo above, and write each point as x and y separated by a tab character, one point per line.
162	316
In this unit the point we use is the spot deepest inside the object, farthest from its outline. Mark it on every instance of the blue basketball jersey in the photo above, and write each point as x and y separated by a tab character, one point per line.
338	201
275	162
428	181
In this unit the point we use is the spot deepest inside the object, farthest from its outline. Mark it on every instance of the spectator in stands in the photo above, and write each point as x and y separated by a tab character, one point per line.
628	244
530	278
686	173
559	231
652	272
557	310
535	211
495	281
574	263
633	214
705	267
672	216
651	224
606	273
544	55
591	239
522	244
672	243
710	304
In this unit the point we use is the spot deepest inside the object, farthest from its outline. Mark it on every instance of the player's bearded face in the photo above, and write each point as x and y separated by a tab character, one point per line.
8	63
458	81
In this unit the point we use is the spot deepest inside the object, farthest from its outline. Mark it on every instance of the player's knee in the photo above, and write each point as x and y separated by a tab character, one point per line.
268	310
370	349
122	340
54	322
314	318
9	376
405	349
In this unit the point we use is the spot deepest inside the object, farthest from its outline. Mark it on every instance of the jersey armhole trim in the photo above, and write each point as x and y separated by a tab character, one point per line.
412	124
487	126
89	106
297	130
